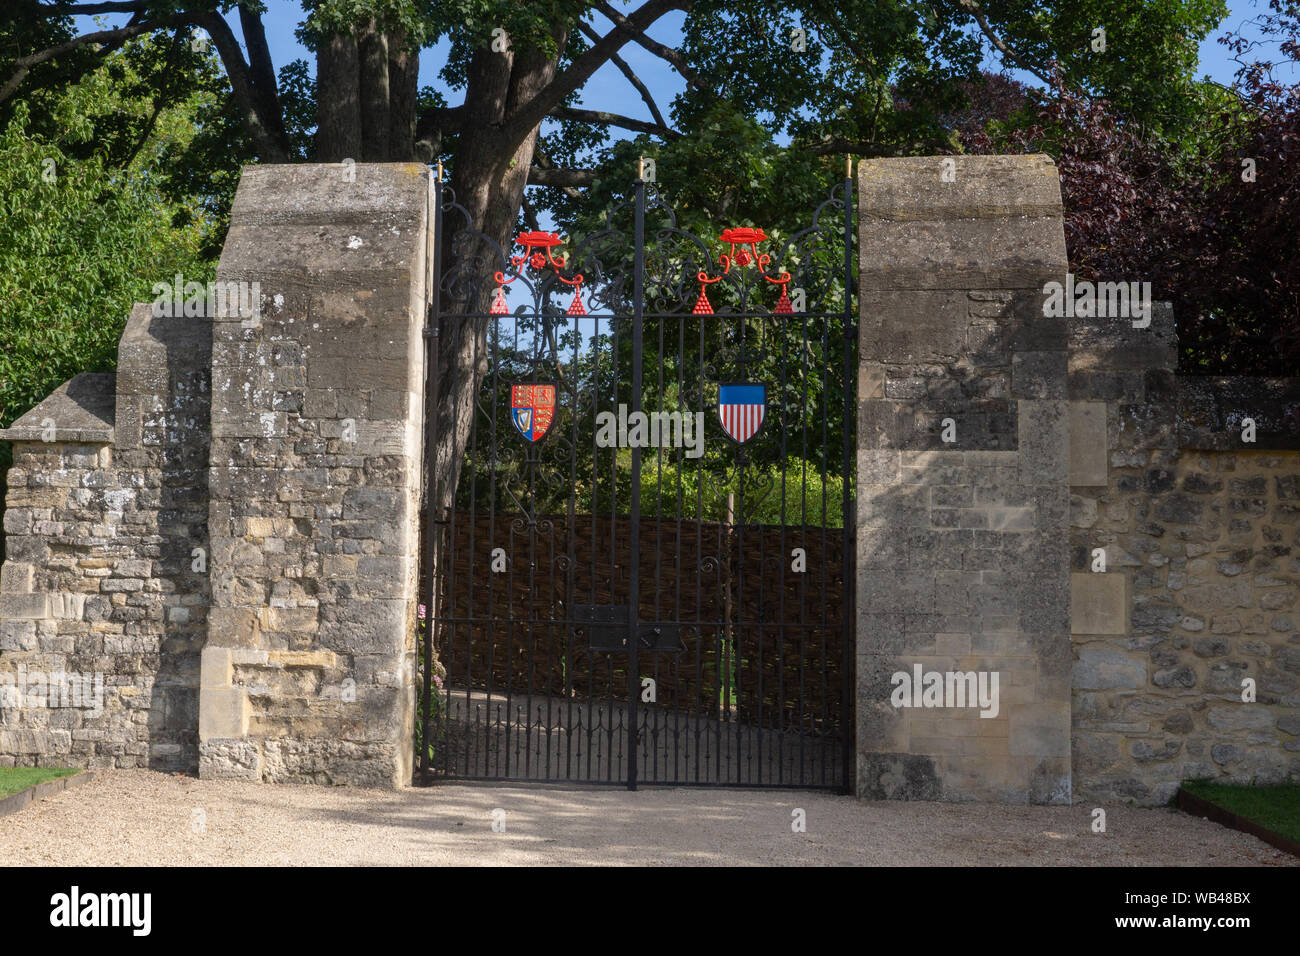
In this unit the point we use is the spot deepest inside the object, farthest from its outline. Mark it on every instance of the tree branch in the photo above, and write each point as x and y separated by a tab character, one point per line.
441	120
158	99
530	214
538	176
543	166
266	131
90	9
628	72
262	73
658	49
832	20
531	114
601	118
858	147
23	65
974	9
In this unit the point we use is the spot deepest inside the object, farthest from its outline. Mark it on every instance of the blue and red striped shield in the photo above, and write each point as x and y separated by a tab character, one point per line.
741	406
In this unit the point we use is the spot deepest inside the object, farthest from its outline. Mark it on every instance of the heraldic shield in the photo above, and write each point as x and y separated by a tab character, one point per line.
741	408
532	409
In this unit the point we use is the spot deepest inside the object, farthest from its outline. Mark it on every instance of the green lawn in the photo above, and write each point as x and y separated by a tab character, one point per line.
1275	808
14	779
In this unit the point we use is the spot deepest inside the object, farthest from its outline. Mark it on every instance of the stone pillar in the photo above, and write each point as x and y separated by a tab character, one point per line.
963	563
308	671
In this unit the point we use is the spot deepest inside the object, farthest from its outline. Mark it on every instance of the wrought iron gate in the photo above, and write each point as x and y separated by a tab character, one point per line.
643	573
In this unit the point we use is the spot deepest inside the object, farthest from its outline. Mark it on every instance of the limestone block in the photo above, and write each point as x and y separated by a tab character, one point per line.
1100	667
215	668
323	659
1098	603
1044	432
43	743
996	223
81	410
67	606
1039	729
17	635
234	626
1089	450
223	713
249	657
24	607
15	578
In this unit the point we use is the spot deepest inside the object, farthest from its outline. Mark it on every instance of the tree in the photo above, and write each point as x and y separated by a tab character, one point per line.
870	77
82	236
1208	220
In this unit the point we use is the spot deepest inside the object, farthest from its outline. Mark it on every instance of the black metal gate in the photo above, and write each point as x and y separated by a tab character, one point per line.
643	573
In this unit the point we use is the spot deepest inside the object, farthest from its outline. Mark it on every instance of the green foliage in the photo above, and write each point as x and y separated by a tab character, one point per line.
793	493
345	16
76	252
298	99
27	26
437	699
879	78
1147	69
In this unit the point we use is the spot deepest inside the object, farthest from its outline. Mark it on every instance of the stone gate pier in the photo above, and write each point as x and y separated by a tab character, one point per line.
226	530
963	495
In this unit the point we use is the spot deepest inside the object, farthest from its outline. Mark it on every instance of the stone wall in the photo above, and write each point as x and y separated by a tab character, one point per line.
107	502
308	672
1201	536
962	488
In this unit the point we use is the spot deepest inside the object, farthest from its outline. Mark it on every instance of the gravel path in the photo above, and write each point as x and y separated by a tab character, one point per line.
140	817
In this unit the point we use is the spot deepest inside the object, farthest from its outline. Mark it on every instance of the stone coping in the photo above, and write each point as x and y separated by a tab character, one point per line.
83	409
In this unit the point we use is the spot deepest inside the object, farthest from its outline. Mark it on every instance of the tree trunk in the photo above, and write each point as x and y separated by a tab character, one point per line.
338	100
489	175
372	48
403	91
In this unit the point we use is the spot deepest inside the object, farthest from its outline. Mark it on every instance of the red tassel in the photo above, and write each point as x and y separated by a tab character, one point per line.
783	305
499	306
575	307
702	306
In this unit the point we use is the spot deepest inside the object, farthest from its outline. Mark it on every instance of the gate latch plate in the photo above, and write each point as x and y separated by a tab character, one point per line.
606	626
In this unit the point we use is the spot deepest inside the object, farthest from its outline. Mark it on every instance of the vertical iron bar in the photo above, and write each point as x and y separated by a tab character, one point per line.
494	353
848	561
471	752
570	575
431	488
653	748
804	716
783	555
634	560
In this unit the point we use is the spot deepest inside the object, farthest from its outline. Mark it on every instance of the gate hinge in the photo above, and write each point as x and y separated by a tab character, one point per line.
431	331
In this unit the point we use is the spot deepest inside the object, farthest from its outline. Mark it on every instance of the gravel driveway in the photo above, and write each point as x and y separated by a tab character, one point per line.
140	817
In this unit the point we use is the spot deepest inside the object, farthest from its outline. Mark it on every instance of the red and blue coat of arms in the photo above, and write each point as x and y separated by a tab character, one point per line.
532	409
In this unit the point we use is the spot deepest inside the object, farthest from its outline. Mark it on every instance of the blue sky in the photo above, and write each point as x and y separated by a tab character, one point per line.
609	90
